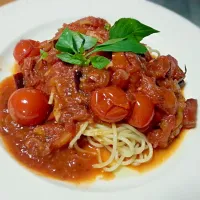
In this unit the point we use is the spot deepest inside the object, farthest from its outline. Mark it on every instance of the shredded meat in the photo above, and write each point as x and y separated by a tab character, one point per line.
94	78
164	98
158	68
165	66
160	137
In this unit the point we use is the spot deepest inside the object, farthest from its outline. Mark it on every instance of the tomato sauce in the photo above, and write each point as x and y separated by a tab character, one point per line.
63	164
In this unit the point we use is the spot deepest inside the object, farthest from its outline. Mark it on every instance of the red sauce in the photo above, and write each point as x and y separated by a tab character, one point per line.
63	164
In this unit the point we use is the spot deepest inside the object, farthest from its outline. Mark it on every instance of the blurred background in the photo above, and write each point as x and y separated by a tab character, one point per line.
190	9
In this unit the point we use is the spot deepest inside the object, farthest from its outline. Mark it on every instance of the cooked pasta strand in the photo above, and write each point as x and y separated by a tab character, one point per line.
126	145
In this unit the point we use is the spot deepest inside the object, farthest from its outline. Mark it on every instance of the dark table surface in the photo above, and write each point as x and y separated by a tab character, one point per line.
189	9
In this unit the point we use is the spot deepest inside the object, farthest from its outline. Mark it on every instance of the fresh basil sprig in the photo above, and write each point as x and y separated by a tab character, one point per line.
73	45
128	26
124	36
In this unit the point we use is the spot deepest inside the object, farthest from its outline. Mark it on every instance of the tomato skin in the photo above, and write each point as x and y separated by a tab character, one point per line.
28	106
26	48
110	104
143	111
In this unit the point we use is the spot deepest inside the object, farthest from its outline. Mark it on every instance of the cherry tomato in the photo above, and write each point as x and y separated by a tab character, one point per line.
110	104
143	111
26	48
28	106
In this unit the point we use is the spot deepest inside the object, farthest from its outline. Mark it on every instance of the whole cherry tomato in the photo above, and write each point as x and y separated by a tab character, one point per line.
143	111
26	48
110	104
28	106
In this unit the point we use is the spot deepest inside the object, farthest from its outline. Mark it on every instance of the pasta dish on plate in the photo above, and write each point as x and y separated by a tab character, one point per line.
92	99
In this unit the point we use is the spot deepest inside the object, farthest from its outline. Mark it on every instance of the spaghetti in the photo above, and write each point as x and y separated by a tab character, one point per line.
126	145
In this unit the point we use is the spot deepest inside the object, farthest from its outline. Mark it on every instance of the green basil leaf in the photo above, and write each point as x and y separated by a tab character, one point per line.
128	26
87	41
74	42
126	45
99	62
76	59
65	42
43	54
80	49
107	43
112	41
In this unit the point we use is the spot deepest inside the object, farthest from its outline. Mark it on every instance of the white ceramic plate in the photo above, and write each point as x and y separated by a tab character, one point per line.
176	179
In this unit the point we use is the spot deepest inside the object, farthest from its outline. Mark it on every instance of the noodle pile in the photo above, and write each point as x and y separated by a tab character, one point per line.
127	146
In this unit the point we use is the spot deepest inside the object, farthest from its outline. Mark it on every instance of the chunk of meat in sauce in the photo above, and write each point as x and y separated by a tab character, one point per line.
101	35
33	72
51	58
47	138
120	78
169	83
190	114
134	83
128	61
164	98
89	25
165	66
75	112
35	147
69	102
158	68
160	137
94	78
61	76
175	72
55	135
136	64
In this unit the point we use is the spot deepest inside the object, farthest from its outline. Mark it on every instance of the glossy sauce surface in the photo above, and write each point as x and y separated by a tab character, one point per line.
63	164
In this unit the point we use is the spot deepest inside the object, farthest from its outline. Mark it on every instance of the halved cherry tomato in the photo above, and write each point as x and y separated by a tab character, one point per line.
110	104
143	111
25	48
28	106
